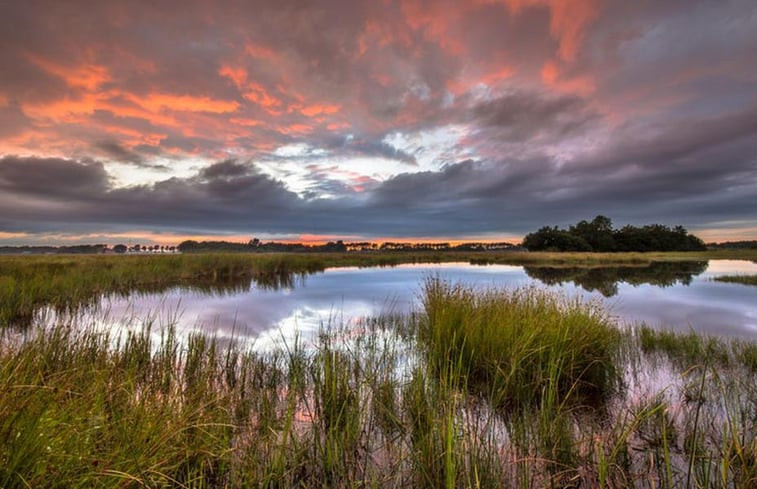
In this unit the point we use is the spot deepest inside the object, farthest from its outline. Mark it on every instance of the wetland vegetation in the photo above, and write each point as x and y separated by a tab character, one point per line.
28	282
478	388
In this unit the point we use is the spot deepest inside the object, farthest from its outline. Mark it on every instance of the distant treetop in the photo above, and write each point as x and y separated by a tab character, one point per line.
599	235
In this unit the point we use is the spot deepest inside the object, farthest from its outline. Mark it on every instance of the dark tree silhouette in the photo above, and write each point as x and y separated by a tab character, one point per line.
599	235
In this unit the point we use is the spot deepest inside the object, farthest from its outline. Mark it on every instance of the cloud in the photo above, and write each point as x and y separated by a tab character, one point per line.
115	151
51	178
225	170
525	115
364	146
674	182
417	117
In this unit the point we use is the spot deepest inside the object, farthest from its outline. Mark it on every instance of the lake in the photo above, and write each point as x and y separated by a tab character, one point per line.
676	295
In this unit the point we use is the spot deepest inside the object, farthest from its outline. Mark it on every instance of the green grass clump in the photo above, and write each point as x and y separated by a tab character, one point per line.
76	411
519	346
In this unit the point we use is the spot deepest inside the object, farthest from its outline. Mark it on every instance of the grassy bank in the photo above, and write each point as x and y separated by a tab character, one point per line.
28	282
430	400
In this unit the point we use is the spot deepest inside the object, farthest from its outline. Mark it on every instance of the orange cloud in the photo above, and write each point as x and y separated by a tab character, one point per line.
136	112
183	103
286	89
568	21
258	51
335	126
3	100
146	107
551	76
251	91
7	235
88	77
435	21
137	137
497	76
236	75
63	110
240	121
295	129
156	108
256	93
312	110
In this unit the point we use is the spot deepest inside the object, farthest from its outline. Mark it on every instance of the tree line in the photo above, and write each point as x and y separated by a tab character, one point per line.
599	235
255	245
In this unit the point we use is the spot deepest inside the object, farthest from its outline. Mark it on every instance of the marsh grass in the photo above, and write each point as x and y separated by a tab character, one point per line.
685	348
425	400
520	347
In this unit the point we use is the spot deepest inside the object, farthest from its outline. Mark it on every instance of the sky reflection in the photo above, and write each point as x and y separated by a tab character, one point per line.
341	296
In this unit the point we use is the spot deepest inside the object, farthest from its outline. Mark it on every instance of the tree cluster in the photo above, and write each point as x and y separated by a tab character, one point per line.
599	235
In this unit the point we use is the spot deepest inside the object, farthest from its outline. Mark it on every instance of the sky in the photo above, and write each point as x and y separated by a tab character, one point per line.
374	119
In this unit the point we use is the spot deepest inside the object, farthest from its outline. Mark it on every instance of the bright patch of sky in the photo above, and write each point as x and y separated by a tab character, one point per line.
301	166
127	175
433	149
298	150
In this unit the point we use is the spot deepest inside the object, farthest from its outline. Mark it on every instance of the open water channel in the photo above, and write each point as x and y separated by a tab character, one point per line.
677	295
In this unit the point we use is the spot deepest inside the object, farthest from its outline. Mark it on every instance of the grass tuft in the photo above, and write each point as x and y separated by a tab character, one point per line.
518	346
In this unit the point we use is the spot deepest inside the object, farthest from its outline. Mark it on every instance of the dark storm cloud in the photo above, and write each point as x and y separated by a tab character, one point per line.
525	115
115	151
225	169
51	177
363	146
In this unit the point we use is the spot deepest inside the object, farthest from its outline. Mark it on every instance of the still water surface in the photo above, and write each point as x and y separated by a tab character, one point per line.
679	296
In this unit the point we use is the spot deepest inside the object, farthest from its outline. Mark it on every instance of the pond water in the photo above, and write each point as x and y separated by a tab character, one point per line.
680	296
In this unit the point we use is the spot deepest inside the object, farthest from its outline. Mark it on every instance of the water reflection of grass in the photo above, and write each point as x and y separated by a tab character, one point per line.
738	279
489	389
26	283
